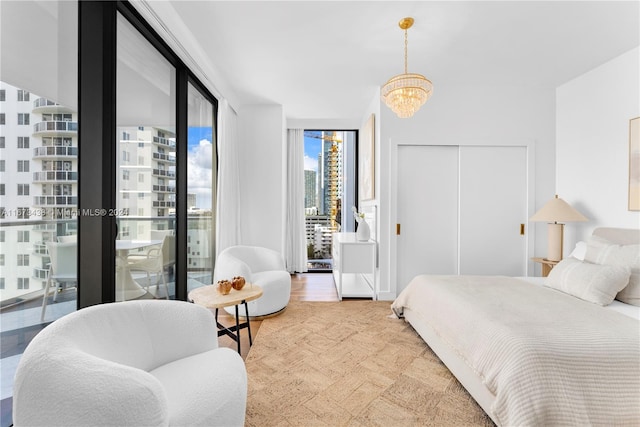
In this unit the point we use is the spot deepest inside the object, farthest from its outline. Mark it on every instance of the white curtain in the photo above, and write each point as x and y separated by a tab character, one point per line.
228	209
295	239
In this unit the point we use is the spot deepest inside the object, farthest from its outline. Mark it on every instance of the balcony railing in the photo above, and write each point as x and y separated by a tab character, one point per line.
164	204
55	126
53	176
40	273
164	157
42	105
41	152
166	142
165	173
55	200
41	231
164	189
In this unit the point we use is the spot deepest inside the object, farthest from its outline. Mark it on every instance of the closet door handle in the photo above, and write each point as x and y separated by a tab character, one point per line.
522	229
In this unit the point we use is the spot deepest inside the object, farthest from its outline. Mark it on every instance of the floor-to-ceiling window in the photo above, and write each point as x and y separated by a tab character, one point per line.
145	168
38	174
330	191
63	183
201	166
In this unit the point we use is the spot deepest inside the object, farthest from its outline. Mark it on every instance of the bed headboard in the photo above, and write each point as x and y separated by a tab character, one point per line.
621	236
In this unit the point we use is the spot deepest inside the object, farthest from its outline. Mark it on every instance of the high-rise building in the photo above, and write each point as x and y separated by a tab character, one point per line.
310	189
147	176
38	184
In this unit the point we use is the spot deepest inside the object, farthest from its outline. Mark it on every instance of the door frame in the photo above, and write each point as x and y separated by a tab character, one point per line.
395	144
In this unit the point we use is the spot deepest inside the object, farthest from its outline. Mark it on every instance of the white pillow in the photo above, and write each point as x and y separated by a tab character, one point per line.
595	283
604	252
579	251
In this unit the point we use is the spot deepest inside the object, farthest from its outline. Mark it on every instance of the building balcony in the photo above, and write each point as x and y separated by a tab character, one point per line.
163	173
161	157
44	105
164	204
40	273
164	189
52	201
45	226
55	128
55	152
40	248
165	142
55	176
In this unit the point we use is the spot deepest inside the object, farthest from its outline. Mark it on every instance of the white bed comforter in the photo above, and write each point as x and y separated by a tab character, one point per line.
549	358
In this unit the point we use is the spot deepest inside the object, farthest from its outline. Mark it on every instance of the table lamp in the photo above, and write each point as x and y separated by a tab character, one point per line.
556	212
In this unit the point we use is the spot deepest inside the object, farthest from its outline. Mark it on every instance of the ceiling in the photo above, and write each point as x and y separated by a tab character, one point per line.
326	59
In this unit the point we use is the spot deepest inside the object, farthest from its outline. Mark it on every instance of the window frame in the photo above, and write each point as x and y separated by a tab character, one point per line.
97	59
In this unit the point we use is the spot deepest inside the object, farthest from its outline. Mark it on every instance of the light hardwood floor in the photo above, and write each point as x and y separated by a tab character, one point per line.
304	287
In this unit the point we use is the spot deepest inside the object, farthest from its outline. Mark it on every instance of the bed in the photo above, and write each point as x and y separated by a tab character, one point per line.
542	351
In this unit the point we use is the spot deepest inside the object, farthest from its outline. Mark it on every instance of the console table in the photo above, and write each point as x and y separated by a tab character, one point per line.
354	266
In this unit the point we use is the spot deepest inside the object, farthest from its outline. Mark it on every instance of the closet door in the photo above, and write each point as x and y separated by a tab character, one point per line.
427	211
460	210
493	204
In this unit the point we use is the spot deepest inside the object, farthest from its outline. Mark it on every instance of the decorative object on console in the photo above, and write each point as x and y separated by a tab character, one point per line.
224	287
238	282
556	212
406	93
363	233
634	164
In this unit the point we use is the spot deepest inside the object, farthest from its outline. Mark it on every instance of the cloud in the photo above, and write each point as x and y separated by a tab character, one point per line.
310	164
200	173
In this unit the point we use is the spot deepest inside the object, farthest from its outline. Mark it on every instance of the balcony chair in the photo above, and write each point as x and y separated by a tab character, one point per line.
62	269
261	266
156	261
132	363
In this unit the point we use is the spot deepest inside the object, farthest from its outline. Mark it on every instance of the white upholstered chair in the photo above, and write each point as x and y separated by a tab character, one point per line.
62	269
261	266
133	363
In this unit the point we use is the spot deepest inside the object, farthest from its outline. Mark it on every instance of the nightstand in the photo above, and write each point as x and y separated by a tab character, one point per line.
547	265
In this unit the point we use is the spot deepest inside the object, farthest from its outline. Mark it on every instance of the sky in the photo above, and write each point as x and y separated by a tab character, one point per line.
199	169
312	147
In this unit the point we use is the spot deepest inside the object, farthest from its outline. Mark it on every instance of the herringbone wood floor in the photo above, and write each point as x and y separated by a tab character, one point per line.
304	287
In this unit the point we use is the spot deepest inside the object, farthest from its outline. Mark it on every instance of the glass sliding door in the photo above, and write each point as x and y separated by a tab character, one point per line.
201	167
38	175
145	168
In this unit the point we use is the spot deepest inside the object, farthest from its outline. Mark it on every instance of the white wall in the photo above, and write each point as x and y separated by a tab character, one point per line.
468	114
261	135
593	113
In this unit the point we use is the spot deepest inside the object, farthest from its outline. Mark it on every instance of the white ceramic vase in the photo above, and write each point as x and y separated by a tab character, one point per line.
363	232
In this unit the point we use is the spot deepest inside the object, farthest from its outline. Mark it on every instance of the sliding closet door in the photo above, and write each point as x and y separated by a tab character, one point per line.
493	204
427	211
460	210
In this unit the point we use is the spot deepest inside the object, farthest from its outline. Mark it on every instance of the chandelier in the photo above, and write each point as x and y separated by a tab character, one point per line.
406	93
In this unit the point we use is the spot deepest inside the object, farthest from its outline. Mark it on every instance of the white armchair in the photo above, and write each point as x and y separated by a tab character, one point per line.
134	363
261	266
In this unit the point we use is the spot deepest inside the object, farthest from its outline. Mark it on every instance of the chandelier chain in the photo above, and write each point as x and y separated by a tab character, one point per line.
406	45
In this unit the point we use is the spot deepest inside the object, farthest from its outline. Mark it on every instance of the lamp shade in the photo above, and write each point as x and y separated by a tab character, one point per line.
557	210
